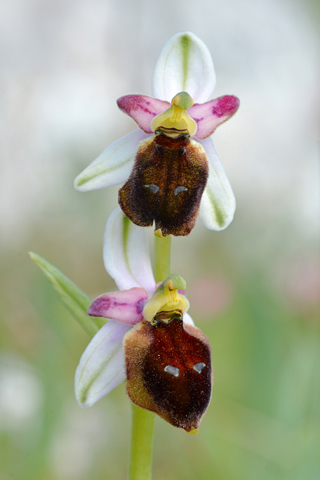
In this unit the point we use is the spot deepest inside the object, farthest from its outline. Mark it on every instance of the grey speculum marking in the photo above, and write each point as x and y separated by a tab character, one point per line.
198	367
153	188
179	189
172	370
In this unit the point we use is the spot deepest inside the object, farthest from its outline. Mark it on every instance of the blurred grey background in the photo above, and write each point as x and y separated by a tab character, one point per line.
254	288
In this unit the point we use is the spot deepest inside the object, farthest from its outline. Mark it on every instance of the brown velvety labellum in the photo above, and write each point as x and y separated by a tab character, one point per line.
166	184
169	371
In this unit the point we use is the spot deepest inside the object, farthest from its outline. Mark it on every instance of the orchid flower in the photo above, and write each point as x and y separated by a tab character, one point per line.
169	165
150	339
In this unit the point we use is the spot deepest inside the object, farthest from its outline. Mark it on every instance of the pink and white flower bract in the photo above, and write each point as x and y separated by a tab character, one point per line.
184	64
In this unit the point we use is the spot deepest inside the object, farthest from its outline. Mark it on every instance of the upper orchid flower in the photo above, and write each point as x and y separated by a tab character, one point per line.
150	340
169	164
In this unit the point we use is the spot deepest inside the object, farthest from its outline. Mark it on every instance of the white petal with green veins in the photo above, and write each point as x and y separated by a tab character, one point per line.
102	365
184	64
126	253
218	203
113	166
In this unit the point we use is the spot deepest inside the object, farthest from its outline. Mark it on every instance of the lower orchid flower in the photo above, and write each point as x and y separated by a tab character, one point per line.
169	165
150	339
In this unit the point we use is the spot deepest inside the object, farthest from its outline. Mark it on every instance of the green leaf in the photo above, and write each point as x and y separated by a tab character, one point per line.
71	296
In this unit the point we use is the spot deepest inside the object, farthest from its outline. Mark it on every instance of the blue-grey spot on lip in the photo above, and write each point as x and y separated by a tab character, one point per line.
153	188
198	367
172	370
180	189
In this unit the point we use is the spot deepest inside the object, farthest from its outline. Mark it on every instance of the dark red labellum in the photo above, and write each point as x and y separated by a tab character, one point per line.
166	184
169	371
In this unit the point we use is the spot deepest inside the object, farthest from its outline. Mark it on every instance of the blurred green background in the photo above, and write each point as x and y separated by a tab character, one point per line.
254	288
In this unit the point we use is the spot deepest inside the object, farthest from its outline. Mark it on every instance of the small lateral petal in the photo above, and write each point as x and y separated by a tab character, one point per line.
218	203
211	114
184	64
142	109
113	166
102	365
125	306
126	253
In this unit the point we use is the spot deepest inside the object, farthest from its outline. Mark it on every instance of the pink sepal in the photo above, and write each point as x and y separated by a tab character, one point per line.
211	114
142	109
125	306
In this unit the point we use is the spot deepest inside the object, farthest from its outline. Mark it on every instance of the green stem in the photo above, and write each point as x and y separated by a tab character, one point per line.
142	426
142	430
162	258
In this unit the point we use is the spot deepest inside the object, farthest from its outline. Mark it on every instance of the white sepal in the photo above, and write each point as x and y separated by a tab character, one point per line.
113	166
184	64
218	203
102	365
126	253
187	319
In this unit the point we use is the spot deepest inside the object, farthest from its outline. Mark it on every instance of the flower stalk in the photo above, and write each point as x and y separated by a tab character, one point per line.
142	432
142	421
162	255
